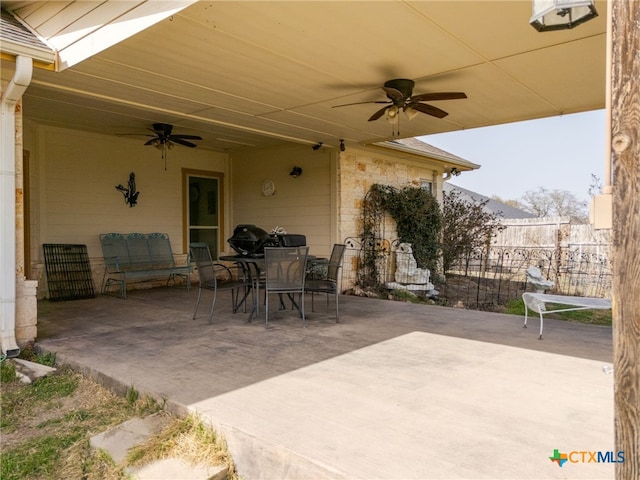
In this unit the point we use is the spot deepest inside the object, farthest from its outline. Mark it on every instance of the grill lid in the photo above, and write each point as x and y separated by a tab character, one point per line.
250	240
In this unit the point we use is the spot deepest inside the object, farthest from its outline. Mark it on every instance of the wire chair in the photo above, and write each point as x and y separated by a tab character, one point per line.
284	269
328	285
215	276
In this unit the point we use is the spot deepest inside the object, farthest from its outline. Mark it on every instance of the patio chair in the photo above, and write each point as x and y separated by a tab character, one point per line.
284	269
328	285
215	276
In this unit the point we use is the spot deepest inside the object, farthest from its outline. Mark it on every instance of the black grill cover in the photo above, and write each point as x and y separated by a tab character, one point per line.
250	240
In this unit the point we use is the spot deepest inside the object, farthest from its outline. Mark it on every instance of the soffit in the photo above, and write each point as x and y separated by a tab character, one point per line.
259	73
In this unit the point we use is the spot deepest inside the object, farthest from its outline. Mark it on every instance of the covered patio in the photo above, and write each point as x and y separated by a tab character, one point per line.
395	390
258	81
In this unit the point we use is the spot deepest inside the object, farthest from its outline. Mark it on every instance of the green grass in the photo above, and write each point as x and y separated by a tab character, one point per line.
407	296
46	428
593	317
46	425
7	372
37	458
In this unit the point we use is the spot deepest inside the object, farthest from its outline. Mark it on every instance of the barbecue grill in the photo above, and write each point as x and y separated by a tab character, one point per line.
250	241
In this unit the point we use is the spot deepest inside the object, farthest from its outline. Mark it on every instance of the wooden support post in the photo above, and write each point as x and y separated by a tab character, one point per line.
625	145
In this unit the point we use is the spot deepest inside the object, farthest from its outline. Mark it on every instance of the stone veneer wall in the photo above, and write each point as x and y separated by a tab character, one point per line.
359	170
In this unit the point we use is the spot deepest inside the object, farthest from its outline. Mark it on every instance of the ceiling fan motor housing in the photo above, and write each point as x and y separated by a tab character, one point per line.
162	129
403	85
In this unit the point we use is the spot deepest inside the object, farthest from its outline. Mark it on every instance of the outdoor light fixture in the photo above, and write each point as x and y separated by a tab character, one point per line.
392	114
410	113
549	15
161	144
296	172
342	147
317	146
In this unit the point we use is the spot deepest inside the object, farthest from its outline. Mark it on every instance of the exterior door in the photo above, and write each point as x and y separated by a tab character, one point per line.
203	199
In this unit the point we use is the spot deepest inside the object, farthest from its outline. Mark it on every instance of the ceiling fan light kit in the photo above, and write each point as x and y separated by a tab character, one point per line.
163	139
410	113
399	92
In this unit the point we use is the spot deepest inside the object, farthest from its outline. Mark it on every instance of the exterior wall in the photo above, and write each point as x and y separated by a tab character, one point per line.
303	205
360	169
73	199
73	176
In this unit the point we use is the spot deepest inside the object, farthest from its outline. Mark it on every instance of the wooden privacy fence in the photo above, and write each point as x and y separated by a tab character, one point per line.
550	232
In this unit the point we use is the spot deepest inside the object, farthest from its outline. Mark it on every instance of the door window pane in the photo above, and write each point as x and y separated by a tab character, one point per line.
204	211
203	201
206	236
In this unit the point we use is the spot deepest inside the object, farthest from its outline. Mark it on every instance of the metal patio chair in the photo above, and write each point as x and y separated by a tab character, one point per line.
328	285
215	276
284	273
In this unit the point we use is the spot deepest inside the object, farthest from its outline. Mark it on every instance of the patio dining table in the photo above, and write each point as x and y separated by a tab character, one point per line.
252	266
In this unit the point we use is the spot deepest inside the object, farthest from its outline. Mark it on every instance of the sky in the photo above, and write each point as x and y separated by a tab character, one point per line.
557	153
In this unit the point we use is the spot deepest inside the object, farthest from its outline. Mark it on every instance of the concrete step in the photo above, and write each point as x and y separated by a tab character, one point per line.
117	441
28	371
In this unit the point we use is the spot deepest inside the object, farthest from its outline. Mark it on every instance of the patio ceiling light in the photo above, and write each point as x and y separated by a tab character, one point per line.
549	15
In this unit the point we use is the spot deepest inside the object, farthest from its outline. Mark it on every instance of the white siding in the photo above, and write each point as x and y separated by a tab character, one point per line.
73	194
301	205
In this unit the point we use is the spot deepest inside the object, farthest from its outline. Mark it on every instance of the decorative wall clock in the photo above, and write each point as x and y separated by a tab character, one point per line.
268	188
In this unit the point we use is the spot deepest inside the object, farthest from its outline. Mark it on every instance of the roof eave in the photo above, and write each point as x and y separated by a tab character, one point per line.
45	57
457	162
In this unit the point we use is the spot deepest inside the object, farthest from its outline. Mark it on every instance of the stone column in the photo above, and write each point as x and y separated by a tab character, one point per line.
26	290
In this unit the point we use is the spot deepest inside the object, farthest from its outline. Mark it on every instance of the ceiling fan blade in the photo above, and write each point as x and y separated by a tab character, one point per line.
135	134
183	142
185	137
153	141
425	97
361	103
428	109
393	94
378	114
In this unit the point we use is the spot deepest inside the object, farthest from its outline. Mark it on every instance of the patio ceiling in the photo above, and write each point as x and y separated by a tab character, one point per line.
252	74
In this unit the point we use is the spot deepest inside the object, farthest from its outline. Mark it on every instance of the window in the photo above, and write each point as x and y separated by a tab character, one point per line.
426	185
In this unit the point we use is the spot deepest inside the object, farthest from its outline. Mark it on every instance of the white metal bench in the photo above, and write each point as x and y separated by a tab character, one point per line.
537	302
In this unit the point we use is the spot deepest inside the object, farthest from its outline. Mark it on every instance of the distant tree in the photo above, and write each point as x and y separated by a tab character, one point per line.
511	202
596	186
555	203
465	225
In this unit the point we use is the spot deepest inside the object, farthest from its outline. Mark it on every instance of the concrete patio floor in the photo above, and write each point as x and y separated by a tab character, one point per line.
393	391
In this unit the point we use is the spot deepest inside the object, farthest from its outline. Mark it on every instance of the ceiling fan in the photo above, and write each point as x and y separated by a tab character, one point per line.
163	136
164	140
400	96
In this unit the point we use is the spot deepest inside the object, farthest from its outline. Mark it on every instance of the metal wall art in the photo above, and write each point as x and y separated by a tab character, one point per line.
130	194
